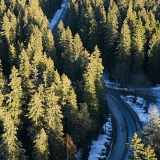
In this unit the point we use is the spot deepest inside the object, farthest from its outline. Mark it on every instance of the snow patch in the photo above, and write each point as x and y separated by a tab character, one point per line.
98	147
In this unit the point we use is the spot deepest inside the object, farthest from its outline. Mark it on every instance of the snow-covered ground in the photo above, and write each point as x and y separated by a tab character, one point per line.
58	15
99	146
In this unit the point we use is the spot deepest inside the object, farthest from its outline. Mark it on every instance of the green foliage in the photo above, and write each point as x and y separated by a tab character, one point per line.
41	146
123	55
154	57
15	96
53	123
10	146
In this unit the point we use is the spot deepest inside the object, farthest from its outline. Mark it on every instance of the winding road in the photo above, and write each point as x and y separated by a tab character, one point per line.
127	123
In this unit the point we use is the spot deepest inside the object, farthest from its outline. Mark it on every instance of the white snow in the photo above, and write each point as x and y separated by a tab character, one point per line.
98	149
58	15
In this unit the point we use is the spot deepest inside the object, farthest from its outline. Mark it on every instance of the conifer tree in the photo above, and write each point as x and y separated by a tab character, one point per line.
87	14
15	96
67	55
154	58
123	54
10	146
138	43
41	147
25	70
48	45
93	39
152	126
9	26
80	58
93	83
82	126
102	26
36	109
111	36
53	123
68	103
72	16
137	147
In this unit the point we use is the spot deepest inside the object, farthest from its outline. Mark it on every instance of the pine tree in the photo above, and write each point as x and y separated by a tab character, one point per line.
82	126
25	70
138	42
41	146
15	97
48	45
68	103
93	39
9	26
53	123
80	58
10	146
36	109
87	14
67	55
137	147
112	35
152	126
154	58
72	16
93	83
123	55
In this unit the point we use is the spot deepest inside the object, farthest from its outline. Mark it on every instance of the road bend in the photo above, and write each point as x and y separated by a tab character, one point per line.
127	123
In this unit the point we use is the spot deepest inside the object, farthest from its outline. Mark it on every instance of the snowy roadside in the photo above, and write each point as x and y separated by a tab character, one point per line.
140	105
102	145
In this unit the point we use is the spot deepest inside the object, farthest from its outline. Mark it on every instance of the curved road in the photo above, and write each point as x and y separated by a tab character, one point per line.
127	123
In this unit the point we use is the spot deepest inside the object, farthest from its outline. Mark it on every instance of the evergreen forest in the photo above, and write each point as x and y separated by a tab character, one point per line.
52	93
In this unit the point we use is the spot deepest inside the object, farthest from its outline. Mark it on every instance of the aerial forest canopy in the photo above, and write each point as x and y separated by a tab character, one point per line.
52	97
127	32
52	94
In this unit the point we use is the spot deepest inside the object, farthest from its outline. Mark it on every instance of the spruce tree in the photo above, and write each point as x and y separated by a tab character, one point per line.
136	147
123	55
15	97
111	36
10	146
154	58
36	109
53	123
93	39
41	147
152	126
68	103
138	43
93	83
